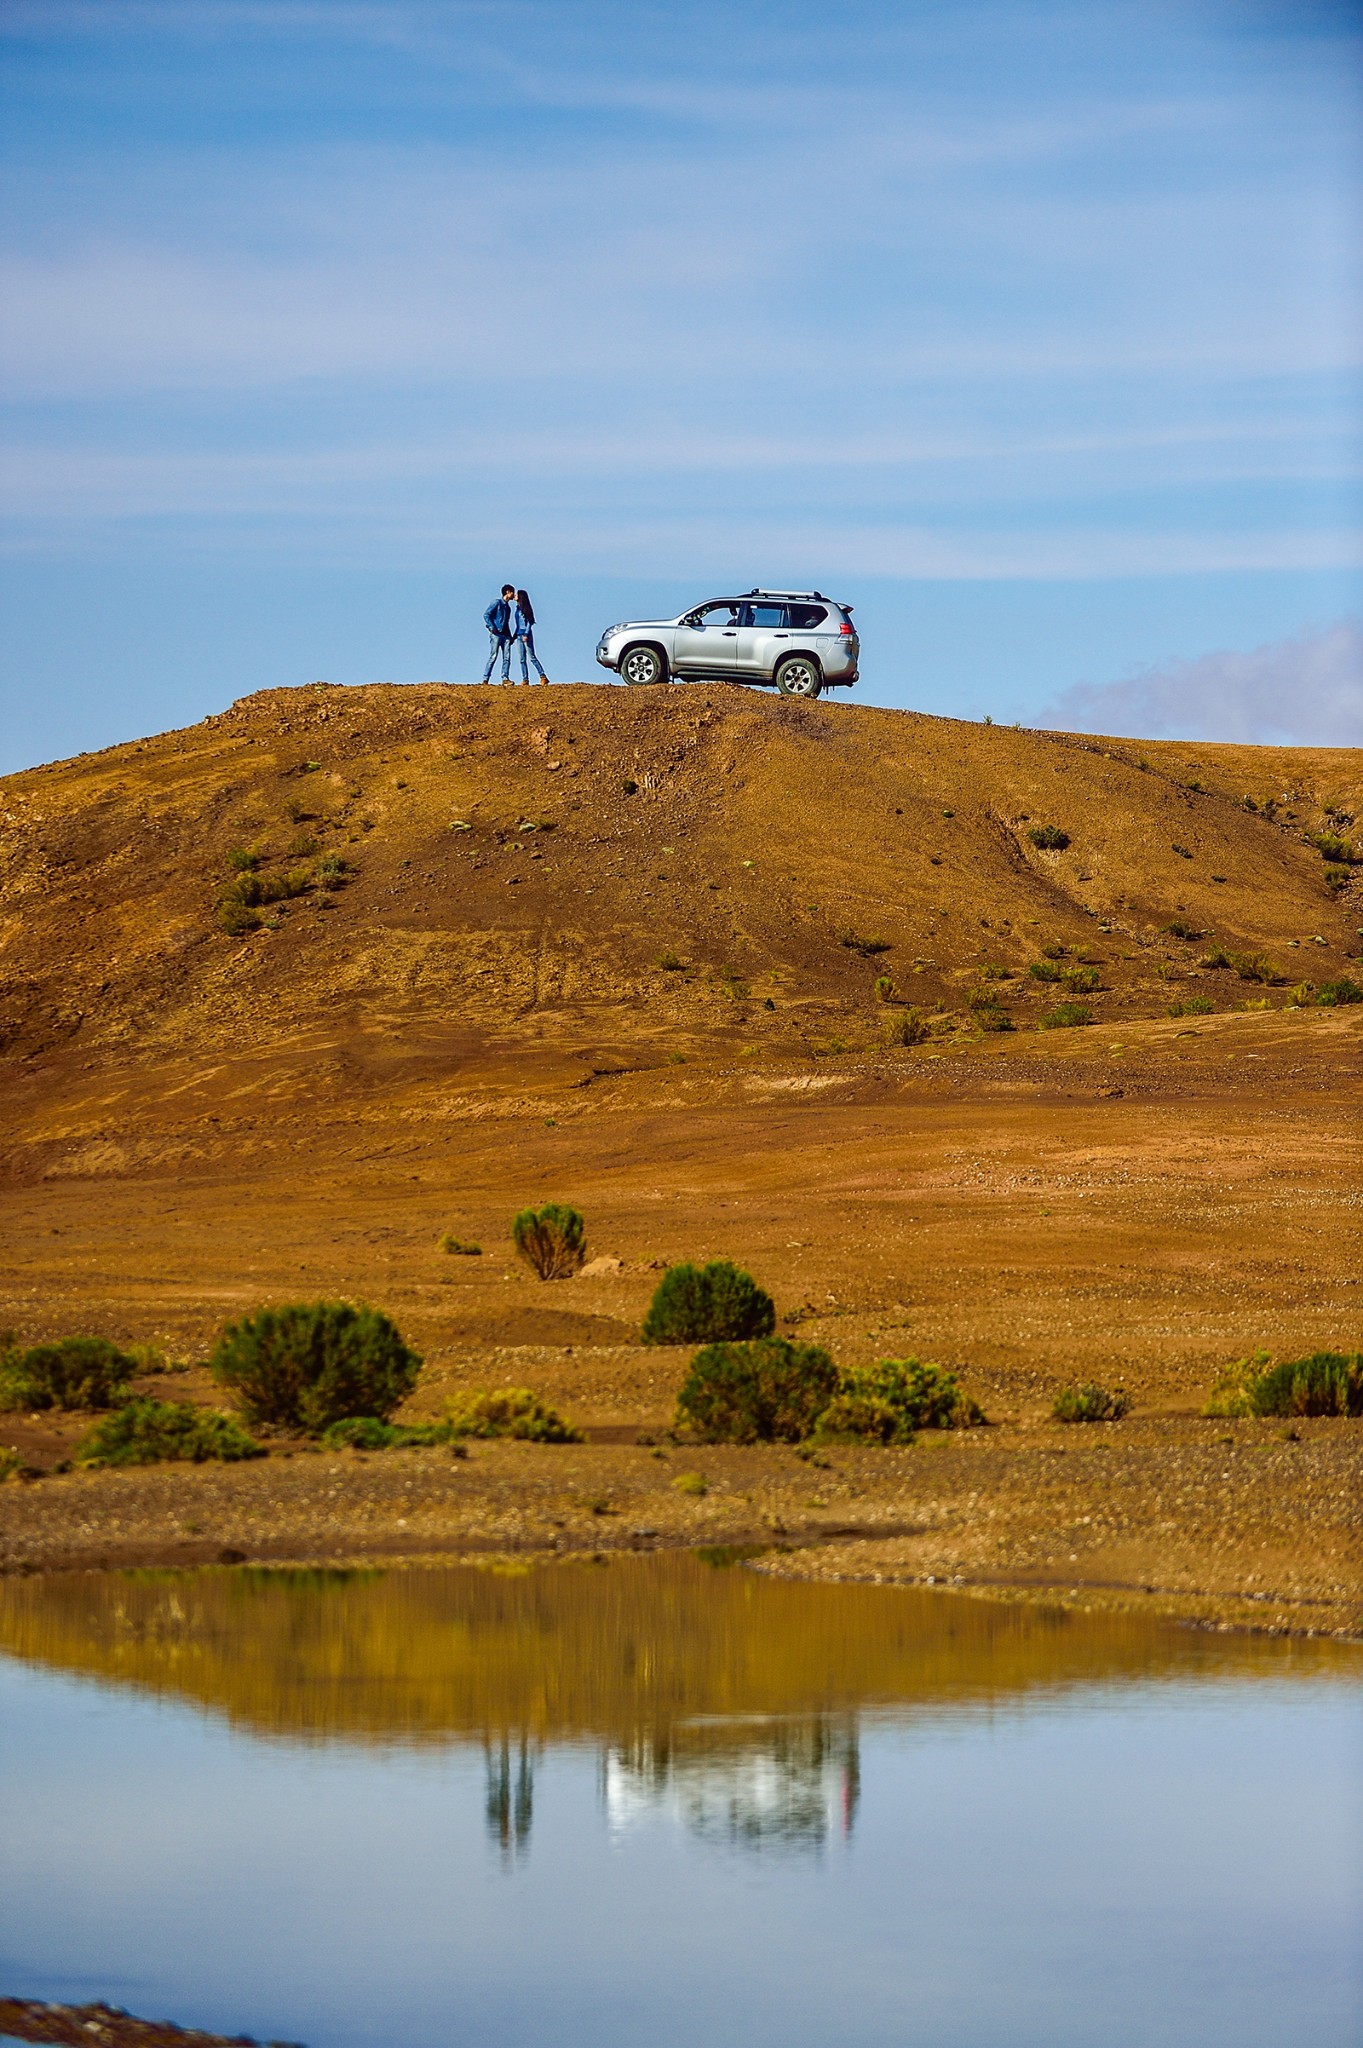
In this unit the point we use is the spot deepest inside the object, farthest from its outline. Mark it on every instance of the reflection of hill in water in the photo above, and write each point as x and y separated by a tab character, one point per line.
624	1652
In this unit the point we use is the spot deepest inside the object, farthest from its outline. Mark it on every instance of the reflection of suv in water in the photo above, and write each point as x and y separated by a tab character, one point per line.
798	639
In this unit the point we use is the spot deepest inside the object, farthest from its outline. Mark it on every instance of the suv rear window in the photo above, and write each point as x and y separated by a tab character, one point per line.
764	615
805	617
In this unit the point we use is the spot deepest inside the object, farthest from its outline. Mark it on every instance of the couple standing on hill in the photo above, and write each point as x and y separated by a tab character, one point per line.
510	621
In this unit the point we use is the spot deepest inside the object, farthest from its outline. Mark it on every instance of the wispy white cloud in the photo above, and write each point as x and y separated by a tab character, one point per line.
1306	691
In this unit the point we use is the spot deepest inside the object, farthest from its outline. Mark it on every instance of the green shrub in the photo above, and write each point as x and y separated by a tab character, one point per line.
1063	1016
885	989
1192	1006
155	1432
1181	928
1333	846
310	1364
1090	1403
866	947
552	1240
449	1243
333	871
1081	979
992	1017
1327	1383
367	1433
236	917
766	1391
888	1401
1255	967
1049	837
1218	957
994	970
671	963
12	1466
1044	970
243	860
1337	879
303	846
510	1412
906	1027
710	1304
75	1372
1344	990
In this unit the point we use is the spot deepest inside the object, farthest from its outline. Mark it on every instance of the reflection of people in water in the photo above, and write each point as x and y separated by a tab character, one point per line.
510	1795
786	1783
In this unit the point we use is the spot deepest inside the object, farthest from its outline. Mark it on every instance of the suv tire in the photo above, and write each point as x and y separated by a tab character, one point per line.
640	665
799	676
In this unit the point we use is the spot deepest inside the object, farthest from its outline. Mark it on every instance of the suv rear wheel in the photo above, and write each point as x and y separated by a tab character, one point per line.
643	665
798	676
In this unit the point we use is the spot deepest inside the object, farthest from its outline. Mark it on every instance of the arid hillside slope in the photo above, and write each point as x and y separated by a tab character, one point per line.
518	864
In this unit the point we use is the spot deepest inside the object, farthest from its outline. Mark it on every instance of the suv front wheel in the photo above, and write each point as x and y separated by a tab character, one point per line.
643	665
798	676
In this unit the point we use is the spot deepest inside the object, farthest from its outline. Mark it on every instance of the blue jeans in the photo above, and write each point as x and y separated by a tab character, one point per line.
499	642
526	642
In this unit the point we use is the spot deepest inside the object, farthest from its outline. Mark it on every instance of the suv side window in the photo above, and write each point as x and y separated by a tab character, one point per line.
805	617
767	615
726	614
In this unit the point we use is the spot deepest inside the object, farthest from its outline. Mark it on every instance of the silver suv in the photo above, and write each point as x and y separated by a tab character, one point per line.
798	639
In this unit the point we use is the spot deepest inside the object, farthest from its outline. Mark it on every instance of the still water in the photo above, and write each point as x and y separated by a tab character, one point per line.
660	1801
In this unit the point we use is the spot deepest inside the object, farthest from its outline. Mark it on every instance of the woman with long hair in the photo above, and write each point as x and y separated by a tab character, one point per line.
525	635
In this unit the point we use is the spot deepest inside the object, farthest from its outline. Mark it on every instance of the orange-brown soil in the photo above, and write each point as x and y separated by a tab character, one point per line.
196	1123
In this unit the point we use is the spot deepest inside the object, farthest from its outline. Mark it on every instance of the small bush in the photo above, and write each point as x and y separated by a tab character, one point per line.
1333	846
906	1027
694	1483
1337	879
1192	1006
1218	957
1089	1403
310	1364
12	1466
1255	967
333	872
1049	837
1081	979
157	1432
1181	929
235	917
993	970
76	1372
711	1304
767	1391
552	1240
304	846
885	989
1055	951
243	860
1332	993
992	1017
1044	970
1064	1016
367	1433
866	947
888	1401
671	963
457	1245
1327	1383
511	1412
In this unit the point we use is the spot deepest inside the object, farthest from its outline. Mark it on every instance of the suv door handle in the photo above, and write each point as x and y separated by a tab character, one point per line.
730	633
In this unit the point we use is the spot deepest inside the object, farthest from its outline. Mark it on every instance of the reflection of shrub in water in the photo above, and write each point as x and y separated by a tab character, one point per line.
788	1784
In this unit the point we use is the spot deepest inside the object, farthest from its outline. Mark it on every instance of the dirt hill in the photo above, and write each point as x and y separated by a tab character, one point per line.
490	878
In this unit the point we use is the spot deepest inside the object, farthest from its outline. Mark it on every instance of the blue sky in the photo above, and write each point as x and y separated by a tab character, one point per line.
1031	328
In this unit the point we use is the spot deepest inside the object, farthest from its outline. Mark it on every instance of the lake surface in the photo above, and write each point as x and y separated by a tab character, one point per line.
656	1801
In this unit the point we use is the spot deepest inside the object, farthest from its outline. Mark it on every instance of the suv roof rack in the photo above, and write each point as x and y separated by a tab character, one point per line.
789	593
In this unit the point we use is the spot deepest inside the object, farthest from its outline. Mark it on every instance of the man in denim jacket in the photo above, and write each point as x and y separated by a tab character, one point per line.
500	620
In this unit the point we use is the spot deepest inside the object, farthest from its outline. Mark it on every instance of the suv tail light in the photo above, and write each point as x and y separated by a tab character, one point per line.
846	629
